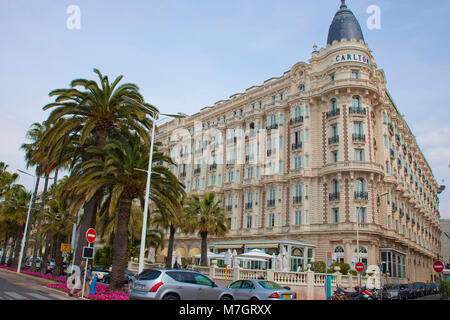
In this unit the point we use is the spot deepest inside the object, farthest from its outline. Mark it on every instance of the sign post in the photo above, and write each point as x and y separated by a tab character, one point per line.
360	268
88	253
438	267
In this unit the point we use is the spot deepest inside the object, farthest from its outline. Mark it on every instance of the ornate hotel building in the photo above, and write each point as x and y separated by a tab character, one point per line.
298	160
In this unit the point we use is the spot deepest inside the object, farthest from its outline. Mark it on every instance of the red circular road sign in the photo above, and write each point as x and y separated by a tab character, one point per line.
359	267
91	235
438	266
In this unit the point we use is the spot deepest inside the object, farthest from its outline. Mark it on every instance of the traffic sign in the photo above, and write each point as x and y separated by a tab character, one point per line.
91	235
359	267
438	266
65	247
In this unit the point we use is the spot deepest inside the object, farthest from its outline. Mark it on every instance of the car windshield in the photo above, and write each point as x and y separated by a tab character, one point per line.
149	275
270	285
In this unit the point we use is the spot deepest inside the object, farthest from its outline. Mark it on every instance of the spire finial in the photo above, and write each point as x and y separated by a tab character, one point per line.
343	5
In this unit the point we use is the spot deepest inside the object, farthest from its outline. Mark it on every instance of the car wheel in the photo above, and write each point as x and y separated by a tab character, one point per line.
253	299
226	297
171	296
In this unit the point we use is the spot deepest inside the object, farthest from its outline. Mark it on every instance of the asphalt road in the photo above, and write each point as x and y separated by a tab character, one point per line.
15	286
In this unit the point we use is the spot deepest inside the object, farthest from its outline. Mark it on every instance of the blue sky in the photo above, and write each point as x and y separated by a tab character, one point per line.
185	55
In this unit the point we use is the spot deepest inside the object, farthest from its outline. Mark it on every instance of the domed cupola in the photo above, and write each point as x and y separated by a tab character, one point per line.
344	26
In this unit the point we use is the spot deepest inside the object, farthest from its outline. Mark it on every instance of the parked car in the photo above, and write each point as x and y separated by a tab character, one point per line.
128	277
393	290
406	291
250	289
175	284
101	273
434	288
428	289
29	262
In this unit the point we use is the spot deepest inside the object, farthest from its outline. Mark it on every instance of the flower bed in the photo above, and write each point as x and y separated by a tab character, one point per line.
101	290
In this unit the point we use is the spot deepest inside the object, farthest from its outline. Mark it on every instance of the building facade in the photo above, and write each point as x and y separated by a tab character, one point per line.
305	156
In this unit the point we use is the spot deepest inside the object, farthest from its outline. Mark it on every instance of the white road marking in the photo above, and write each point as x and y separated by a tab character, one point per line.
16	296
38	296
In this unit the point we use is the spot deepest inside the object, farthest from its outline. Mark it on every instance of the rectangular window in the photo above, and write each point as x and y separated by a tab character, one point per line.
359	154
306	135
271	220
297	162
298	217
280	167
334	156
306	161
238	175
355	74
219	182
249	222
335	215
250	172
362	215
306	111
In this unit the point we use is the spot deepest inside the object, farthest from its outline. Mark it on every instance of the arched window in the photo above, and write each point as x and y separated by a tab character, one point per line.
297	259
338	254
363	254
356	102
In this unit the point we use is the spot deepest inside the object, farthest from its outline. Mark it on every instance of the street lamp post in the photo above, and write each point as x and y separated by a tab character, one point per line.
149	174
24	238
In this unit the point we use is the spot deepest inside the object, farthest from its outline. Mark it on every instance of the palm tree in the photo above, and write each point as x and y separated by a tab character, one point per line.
14	213
36	153
95	111
117	174
207	217
58	222
172	218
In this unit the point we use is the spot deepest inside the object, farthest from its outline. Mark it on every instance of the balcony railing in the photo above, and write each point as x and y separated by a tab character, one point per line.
356	110
297	145
197	170
271	151
333	113
248	205
213	166
272	126
358	137
334	196
183	174
333	139
229	208
297	199
271	203
361	195
296	120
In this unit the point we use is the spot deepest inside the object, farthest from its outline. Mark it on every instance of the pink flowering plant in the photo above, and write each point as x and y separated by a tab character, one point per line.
101	290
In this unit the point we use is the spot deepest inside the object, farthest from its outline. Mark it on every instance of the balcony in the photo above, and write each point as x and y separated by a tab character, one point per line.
249	158
357	110
297	145
296	120
334	196
248	206
272	126
213	166
361	195
182	174
271	151
229	208
358	137
271	203
297	199
197	170
232	140
333	113
333	139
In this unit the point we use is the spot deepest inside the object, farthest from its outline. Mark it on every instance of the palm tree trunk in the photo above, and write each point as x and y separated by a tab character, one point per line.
120	245
45	256
170	246
204	249
87	221
59	256
37	239
5	247
17	247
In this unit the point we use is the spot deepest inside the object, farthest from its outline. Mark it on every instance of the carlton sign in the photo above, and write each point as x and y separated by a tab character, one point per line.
353	57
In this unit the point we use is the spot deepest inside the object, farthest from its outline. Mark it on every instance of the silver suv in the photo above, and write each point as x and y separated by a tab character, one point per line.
173	284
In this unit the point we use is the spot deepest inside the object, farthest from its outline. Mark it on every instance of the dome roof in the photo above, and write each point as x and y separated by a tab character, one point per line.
344	25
